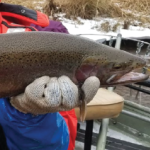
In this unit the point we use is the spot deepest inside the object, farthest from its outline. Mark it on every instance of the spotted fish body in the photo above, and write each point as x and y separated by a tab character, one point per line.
27	56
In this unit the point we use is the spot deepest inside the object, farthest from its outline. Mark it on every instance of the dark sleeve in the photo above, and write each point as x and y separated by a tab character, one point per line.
3	145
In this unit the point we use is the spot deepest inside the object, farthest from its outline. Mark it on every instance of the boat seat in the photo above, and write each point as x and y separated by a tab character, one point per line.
105	104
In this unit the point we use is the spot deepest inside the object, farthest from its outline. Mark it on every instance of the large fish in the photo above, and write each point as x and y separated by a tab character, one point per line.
27	56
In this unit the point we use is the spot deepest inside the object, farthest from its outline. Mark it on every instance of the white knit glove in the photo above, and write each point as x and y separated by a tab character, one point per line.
46	95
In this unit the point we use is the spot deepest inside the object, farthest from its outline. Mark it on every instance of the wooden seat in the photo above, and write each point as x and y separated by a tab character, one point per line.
105	104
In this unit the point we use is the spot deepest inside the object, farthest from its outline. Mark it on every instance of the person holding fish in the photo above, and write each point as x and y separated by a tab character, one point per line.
27	120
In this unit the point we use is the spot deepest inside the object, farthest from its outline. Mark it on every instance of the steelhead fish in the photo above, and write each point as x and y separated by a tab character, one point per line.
30	55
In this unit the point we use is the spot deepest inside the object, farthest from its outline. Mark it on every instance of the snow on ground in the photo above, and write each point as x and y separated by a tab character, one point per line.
89	27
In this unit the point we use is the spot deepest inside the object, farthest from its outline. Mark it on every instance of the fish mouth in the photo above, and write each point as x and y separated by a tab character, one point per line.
130	77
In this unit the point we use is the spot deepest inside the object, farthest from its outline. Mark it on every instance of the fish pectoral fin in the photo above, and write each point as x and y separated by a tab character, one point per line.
83	109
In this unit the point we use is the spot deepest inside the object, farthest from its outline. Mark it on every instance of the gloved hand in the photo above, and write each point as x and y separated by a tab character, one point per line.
46	95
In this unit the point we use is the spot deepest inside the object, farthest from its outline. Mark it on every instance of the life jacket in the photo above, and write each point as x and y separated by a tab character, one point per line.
16	18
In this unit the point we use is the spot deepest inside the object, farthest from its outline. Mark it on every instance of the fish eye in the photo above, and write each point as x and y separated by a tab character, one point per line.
117	66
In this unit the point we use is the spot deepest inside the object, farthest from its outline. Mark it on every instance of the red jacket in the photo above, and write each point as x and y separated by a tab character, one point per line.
16	16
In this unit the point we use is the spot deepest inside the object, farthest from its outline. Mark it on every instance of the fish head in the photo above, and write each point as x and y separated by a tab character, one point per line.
114	68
